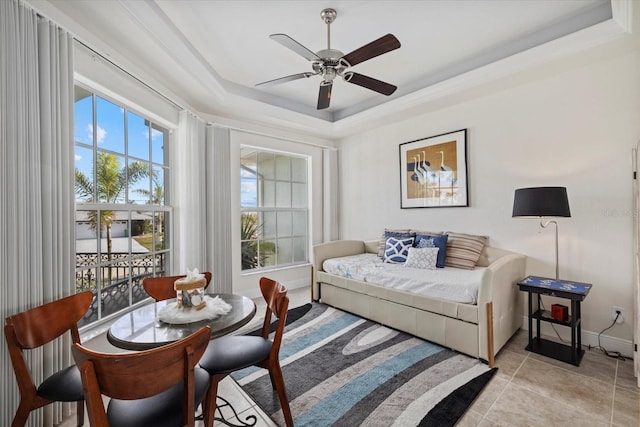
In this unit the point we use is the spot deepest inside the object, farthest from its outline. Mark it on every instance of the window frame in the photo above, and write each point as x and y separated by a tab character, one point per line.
162	212
261	210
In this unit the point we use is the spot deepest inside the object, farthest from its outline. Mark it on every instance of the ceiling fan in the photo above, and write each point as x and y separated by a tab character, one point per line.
330	63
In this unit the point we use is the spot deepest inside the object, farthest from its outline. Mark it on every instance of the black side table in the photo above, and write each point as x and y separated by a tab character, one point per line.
574	291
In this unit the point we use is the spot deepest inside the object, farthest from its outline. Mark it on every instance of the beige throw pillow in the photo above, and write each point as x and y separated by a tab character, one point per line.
463	250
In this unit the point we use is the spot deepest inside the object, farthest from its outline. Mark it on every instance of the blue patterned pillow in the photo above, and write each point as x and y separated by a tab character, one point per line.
396	250
398	234
440	242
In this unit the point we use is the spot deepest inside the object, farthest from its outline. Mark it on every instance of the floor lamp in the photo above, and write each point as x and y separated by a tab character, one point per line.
542	202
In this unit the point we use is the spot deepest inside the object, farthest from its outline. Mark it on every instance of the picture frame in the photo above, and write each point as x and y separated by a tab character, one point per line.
433	171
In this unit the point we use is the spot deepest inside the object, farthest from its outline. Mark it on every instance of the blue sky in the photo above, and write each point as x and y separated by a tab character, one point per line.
248	189
110	136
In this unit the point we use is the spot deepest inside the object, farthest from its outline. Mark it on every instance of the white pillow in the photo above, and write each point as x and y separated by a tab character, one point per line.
424	258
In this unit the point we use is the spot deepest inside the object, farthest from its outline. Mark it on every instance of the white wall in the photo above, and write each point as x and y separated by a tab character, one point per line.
99	75
575	127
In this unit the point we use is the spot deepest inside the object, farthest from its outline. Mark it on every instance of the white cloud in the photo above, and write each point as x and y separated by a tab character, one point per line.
248	187
155	133
78	158
100	134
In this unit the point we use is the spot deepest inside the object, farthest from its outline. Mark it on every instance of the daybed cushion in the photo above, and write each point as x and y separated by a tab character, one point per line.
452	284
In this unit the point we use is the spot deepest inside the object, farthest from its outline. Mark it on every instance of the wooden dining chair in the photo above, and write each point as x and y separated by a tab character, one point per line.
161	288
161	387
232	353
34	328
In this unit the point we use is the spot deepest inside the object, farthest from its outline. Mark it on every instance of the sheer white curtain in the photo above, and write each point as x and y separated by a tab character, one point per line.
189	188
219	207
36	178
636	293
330	197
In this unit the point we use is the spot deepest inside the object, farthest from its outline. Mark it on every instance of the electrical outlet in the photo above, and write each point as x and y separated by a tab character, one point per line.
614	313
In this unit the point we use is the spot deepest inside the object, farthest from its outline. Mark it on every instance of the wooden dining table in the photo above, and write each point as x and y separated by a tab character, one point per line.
140	329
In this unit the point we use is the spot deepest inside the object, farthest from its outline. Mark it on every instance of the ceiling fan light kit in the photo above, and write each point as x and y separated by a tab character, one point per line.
330	63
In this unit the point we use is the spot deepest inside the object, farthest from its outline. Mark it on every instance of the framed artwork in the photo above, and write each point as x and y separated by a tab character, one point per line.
433	171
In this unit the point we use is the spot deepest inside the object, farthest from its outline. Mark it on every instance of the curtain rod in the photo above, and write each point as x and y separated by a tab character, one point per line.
130	75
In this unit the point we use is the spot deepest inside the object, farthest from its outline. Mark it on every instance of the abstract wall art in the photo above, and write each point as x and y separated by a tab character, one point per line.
433	171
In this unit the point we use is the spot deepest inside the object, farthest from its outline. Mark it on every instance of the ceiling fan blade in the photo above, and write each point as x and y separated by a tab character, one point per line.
377	47
285	79
324	96
370	83
287	41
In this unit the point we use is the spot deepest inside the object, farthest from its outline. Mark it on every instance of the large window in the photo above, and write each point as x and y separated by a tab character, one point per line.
274	209
122	219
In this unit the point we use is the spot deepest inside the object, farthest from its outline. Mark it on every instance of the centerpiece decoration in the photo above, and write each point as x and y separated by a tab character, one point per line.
190	290
191	304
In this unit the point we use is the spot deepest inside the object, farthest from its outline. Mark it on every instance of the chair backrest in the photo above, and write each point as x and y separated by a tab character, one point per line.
35	327
161	288
275	295
137	375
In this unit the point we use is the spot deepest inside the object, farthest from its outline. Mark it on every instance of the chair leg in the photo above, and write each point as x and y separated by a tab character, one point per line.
275	372
80	413
273	381
209	402
22	414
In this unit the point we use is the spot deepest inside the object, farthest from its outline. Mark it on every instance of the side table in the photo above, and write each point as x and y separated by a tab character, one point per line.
576	292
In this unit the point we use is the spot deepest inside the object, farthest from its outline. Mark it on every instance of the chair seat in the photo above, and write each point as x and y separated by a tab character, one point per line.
161	410
228	354
63	386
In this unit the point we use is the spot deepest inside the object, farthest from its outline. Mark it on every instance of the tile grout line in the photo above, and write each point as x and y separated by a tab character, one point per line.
566	370
504	389
572	372
613	397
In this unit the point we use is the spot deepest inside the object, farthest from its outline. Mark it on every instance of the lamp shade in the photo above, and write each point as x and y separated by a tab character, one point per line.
541	202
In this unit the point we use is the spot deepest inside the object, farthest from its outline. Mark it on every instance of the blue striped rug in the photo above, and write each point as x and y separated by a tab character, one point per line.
342	370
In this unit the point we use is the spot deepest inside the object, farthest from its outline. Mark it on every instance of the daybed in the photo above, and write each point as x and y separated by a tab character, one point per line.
478	329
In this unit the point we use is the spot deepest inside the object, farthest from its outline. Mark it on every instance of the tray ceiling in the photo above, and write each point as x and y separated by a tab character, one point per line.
213	53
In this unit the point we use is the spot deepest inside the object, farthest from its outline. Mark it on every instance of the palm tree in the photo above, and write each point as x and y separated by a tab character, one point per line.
110	186
154	196
254	251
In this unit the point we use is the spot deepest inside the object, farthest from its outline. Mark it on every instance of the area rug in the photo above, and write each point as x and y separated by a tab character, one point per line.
343	370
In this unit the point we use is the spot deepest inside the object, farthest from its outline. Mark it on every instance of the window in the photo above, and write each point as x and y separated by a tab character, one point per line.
274	209
122	219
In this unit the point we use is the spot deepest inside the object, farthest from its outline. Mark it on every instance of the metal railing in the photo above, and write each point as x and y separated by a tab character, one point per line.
120	281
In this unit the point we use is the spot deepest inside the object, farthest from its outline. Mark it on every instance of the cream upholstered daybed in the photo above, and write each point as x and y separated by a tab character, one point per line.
478	328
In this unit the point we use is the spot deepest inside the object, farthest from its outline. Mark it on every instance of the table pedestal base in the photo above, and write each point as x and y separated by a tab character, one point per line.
222	403
248	422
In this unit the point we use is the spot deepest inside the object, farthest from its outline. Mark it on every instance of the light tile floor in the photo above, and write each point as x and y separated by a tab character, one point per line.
528	389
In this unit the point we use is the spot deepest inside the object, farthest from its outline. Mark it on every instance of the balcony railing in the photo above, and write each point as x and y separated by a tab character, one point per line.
120	281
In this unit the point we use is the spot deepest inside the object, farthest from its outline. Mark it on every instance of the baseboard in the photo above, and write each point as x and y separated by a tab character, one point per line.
614	344
297	284
291	285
